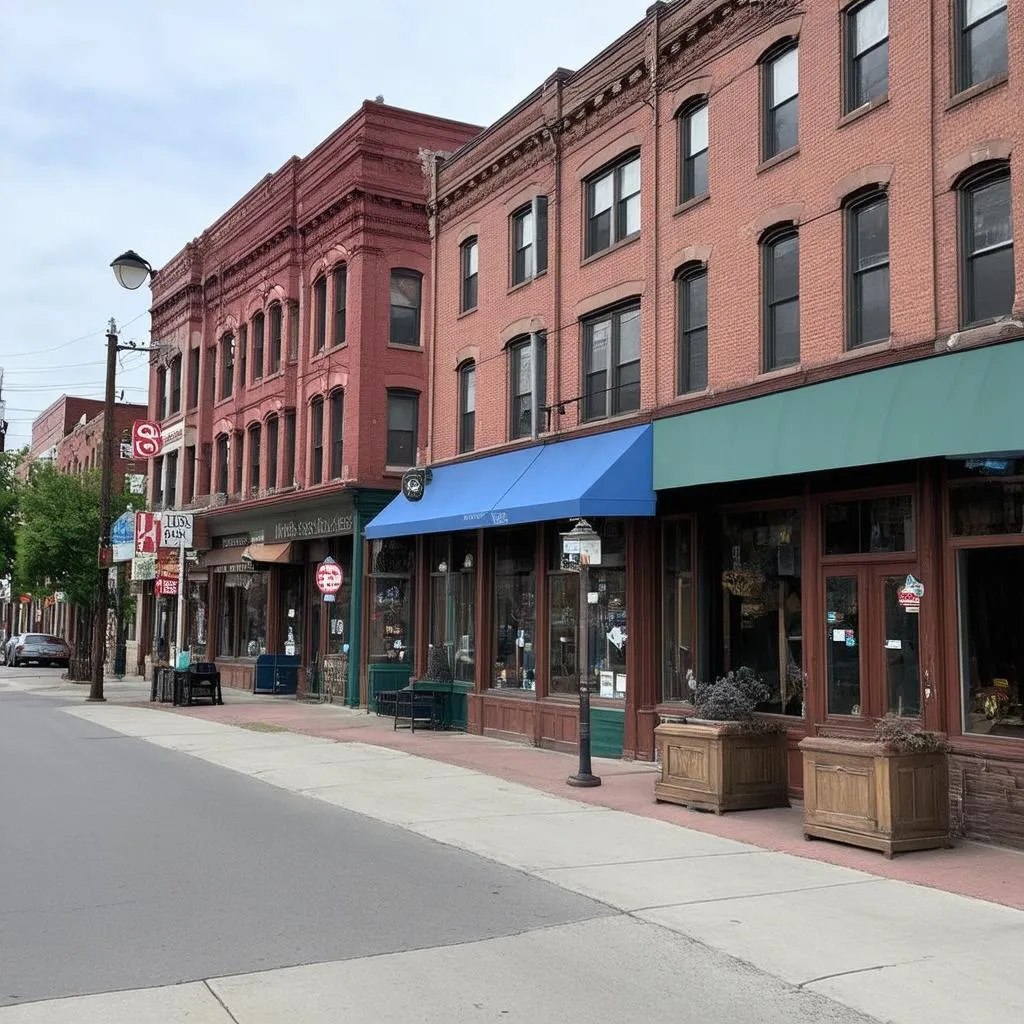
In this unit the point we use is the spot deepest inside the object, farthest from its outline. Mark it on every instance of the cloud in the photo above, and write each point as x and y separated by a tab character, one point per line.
128	125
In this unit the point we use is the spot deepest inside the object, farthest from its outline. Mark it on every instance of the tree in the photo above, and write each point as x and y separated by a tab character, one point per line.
8	510
57	538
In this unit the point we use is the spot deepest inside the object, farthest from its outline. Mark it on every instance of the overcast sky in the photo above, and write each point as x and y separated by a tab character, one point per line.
127	125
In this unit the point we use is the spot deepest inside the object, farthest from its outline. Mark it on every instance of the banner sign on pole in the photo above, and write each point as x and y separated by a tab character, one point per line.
147	439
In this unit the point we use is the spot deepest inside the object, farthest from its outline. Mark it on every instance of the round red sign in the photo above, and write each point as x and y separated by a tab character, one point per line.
329	577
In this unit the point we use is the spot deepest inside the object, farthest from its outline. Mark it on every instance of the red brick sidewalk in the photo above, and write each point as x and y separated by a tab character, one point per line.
971	869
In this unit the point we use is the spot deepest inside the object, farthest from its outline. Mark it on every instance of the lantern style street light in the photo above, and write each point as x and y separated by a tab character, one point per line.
131	272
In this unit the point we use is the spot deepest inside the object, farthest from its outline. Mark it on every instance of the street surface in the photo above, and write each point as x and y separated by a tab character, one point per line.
160	867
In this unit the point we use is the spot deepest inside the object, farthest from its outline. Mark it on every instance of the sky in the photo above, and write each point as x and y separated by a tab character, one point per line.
127	125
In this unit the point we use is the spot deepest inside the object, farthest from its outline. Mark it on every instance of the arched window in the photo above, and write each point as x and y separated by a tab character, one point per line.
340	304
527	366
467	406
319	314
780	250
276	322
406	300
221	469
469	258
316	440
987	280
692	327
227	363
867	268
337	434
257	346
273	427
781	97
693	149
255	453
403	427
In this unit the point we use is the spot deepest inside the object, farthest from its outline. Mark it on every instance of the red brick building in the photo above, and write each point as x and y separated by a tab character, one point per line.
291	358
743	292
81	449
54	423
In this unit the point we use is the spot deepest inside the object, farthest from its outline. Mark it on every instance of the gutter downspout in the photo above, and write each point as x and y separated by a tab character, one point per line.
431	162
355	616
556	140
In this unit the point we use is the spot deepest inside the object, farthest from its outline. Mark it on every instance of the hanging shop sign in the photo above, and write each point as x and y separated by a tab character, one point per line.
147	439
329	578
122	537
147	533
176	529
166	586
143	568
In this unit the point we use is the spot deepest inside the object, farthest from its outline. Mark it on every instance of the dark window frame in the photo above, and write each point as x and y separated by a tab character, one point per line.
407	274
227	365
339	280
519	427
967	188
853	100
618	212
336	400
254	452
769	340
290	428
161	393
276	330
690	173
239	461
243	355
316	440
467	398
854	209
392	458
272	427
769	108
611	394
222	447
689	331
194	360
963	73
174	372
258	343
469	289
528	260
319	312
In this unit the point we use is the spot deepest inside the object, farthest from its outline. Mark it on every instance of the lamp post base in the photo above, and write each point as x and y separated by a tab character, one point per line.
583	781
95	700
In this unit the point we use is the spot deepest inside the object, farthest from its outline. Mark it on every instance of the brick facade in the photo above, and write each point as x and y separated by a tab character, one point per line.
82	449
54	423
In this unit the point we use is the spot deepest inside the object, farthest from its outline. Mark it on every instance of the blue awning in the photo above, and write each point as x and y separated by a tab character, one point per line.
609	474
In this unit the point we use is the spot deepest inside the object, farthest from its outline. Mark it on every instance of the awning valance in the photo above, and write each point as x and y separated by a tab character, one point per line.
269	554
606	474
957	404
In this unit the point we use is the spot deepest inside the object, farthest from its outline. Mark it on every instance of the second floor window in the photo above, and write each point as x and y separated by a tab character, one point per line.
160	410
406	296
530	240
467	407
867	53
337	434
276	326
692	316
211	365
340	304
288	476
982	46
316	441
403	425
174	372
193	377
227	357
255	456
611	364
223	458
868	276
781	253
781	101
693	128
613	204
987	270
470	260
528	391
258	329
272	438
237	463
320	314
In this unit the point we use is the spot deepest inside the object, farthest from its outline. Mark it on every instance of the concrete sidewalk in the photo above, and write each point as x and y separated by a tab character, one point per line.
895	951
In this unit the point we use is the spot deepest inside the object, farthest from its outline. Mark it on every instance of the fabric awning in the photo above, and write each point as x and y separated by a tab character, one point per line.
220	556
269	553
606	474
957	404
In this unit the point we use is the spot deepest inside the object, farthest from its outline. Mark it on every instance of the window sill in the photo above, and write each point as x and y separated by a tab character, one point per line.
614	247
405	348
779	158
983	333
519	285
871	348
972	91
863	110
782	371
690	203
689	396
464	313
616	418
397	471
515	692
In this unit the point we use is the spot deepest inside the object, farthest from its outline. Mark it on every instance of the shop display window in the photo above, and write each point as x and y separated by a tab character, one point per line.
869	526
677	609
453	601
515	609
243	617
391	601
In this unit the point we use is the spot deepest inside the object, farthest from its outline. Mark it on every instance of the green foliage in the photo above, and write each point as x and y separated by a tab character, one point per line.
58	537
8	510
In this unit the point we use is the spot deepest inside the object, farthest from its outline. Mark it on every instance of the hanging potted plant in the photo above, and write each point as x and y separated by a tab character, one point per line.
723	758
890	793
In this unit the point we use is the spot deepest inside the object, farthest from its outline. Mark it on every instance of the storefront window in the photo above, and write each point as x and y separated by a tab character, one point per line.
197	620
243	619
762	613
869	527
391	600
607	629
290	635
987	509
677	609
515	609
453	601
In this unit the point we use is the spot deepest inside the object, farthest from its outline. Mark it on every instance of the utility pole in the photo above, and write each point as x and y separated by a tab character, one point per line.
3	415
99	626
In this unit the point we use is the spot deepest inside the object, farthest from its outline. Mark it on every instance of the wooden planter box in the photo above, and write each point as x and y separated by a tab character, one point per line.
864	794
716	766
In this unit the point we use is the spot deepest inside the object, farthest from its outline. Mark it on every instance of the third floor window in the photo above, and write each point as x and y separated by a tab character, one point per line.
611	364
469	253
227	365
613	204
781	101
276	322
867	53
340	304
982	46
406	297
693	143
320	314
258	327
174	373
193	377
530	240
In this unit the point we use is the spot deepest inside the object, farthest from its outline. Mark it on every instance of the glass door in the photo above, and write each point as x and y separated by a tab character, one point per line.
899	644
843	642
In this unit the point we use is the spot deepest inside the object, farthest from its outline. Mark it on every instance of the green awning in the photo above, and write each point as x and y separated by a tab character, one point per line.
956	404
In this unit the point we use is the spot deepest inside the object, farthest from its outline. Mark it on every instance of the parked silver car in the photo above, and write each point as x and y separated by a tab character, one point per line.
42	648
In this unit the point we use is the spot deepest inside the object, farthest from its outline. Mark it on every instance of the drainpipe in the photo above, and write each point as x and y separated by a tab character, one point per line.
433	159
556	328
655	276
355	617
534	384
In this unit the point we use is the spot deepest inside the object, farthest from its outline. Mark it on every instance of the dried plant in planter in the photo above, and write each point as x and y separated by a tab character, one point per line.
733	698
896	734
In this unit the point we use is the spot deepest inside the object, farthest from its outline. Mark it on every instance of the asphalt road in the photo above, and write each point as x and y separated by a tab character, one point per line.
123	865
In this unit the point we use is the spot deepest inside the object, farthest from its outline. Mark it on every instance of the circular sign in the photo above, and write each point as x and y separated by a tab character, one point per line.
329	577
